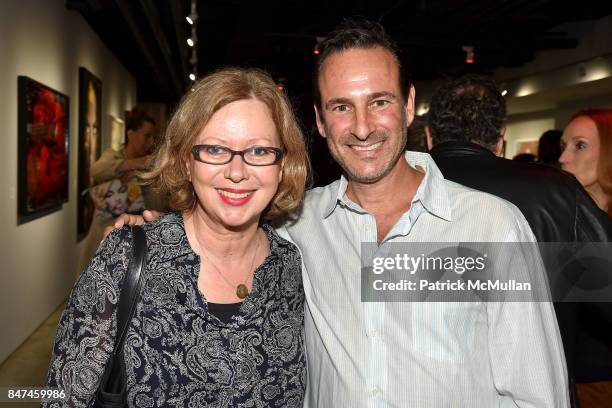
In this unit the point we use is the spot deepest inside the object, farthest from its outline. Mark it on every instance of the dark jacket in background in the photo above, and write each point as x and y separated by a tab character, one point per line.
558	209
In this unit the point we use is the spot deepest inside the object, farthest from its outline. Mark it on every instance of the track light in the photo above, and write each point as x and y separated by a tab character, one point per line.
192	76
190	42
191	19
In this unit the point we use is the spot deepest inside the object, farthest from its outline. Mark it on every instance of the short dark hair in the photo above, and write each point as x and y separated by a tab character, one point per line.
470	108
136	118
360	34
549	147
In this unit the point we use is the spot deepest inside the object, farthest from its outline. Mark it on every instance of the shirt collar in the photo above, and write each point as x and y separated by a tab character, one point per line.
432	192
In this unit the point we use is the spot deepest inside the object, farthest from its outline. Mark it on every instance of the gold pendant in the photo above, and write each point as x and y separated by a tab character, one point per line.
242	291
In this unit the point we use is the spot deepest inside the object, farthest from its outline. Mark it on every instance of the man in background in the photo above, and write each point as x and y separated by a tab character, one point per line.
465	133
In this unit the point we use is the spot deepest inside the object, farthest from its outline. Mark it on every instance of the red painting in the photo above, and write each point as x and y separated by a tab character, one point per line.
43	149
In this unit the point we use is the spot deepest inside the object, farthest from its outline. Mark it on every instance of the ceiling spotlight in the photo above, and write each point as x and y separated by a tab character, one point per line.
192	76
190	42
191	19
193	16
504	92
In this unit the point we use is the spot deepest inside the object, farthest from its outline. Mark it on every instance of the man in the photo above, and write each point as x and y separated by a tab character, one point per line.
405	354
466	126
133	157
114	181
376	354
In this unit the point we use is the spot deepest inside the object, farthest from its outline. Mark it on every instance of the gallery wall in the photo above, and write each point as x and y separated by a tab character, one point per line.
43	40
543	94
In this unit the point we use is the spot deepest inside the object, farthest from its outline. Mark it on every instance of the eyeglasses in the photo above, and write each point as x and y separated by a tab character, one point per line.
253	156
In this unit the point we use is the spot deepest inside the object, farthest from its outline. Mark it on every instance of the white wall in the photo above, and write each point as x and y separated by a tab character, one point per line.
46	42
527	128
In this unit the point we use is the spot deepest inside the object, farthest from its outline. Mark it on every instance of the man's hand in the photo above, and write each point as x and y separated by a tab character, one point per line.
132	219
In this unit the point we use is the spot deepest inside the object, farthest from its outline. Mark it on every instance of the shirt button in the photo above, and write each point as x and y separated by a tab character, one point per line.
372	333
367	227
375	392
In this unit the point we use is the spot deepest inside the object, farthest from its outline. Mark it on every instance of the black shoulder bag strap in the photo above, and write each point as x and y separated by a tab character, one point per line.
111	392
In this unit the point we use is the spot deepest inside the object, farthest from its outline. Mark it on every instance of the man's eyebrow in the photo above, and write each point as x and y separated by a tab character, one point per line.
382	94
337	101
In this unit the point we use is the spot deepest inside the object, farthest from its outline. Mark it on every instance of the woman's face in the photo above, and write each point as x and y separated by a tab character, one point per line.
116	197
580	143
235	194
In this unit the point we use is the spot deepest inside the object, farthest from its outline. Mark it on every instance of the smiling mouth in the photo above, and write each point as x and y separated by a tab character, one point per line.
234	195
367	148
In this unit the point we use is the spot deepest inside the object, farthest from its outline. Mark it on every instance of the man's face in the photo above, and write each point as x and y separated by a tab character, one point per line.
142	139
363	115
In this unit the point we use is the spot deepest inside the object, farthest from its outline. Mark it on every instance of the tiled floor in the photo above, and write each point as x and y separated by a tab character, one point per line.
28	365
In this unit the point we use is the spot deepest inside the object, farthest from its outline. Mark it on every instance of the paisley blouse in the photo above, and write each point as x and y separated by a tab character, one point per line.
176	353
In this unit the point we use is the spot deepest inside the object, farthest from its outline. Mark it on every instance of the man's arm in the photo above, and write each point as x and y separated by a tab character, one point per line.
525	345
131	219
111	164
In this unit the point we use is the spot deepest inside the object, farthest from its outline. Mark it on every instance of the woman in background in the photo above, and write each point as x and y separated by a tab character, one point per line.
587	154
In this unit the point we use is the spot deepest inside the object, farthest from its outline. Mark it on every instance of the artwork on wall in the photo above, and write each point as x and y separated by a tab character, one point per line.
117	132
90	120
43	131
527	147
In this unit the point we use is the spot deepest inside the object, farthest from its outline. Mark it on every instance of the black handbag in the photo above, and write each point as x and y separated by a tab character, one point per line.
112	389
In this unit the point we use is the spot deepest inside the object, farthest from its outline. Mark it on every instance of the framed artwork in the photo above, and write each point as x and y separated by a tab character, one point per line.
117	132
43	131
90	120
527	146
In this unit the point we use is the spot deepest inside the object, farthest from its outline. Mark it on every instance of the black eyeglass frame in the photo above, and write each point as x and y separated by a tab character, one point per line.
278	154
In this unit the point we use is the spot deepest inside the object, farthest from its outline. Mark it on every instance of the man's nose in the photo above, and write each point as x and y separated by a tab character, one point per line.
362	127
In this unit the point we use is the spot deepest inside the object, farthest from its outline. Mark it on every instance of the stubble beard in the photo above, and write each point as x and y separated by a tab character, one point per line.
369	178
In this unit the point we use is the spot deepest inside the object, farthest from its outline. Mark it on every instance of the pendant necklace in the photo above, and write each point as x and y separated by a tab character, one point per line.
241	289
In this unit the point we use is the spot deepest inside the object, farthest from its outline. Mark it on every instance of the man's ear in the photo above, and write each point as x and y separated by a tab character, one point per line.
499	146
410	106
428	138
318	116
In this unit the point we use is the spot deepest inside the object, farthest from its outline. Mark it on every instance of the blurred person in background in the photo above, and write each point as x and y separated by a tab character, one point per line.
587	153
525	158
119	168
549	148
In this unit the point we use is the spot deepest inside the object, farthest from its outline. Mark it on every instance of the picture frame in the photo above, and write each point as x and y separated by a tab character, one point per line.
43	149
90	140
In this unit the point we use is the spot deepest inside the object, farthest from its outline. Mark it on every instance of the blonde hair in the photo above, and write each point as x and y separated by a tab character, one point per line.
195	110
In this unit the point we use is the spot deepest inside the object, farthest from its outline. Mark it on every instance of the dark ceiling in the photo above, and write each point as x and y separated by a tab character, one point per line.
149	36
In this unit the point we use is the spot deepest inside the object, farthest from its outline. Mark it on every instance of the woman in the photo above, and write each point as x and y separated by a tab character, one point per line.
219	321
587	154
